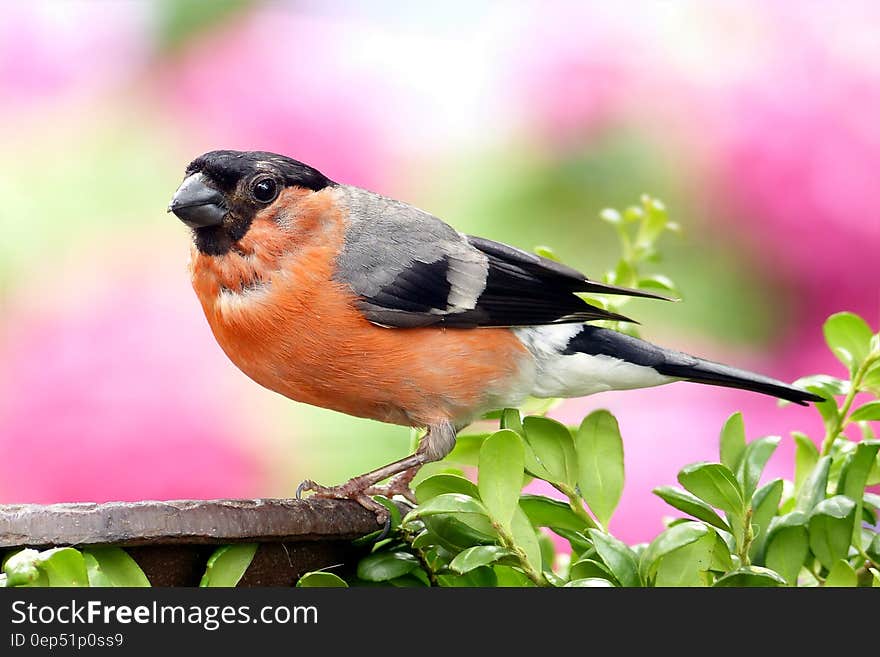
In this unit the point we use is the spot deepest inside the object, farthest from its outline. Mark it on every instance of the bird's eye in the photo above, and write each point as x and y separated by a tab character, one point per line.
265	190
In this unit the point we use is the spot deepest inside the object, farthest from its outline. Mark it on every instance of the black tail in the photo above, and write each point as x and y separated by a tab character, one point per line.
595	341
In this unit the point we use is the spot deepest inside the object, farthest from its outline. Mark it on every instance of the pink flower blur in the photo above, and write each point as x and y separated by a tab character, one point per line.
800	167
301	95
122	399
44	48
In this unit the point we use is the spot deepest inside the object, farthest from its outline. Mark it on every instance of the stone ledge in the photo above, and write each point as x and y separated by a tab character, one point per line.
172	541
177	522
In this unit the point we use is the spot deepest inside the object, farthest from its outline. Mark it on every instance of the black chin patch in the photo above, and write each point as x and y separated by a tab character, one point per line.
213	241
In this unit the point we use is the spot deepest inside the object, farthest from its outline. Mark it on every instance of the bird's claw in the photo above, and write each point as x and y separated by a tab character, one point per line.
351	490
304	485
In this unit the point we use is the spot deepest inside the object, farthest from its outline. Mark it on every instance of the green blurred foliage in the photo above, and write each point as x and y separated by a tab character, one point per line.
180	21
527	196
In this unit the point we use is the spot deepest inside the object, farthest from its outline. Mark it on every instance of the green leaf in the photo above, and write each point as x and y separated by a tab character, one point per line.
814	486
545	512
715	484
806	454
633	213
824	385
842	452
875	578
589	582
751	576
842	575
871	380
829	412
721	558
501	475
383	566
831	524
439	484
874	475
621	561
112	566
424	539
853	479
686	566
65	567
477	578
654	222
733	441
227	565
22	569
624	274
765	505
509	577
456	533
548	551
322	580
580	544
459	521
586	568
467	449
849	337
447	503
690	504
479	555
671	539
511	419
787	545
752	463
659	283
415	579
552	456
437	557
870	411
600	463
524	537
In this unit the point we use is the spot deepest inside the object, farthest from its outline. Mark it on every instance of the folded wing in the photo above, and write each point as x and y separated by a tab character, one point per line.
410	269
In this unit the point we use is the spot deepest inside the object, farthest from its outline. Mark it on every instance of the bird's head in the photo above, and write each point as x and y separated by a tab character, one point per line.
224	191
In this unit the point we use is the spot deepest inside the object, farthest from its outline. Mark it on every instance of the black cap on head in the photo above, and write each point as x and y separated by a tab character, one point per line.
226	168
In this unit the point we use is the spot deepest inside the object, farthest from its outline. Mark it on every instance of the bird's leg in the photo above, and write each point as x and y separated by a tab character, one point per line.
434	445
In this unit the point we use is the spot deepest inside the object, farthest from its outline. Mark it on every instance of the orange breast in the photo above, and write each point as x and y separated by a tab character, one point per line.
278	314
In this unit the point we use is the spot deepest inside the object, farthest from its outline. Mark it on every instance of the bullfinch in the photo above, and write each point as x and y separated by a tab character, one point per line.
342	298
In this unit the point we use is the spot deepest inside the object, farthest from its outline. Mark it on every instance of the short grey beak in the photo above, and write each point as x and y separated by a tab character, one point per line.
198	205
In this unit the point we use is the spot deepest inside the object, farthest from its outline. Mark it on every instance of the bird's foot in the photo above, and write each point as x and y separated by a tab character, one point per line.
361	488
398	485
356	489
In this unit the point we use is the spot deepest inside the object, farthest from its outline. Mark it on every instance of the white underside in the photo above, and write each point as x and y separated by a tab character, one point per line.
578	375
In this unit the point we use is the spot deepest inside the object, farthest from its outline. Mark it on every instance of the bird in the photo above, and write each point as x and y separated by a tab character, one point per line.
342	298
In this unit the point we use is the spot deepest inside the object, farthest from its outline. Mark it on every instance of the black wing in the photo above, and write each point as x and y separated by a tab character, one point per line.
517	288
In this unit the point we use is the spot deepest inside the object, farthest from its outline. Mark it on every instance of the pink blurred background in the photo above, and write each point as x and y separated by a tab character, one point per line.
755	122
